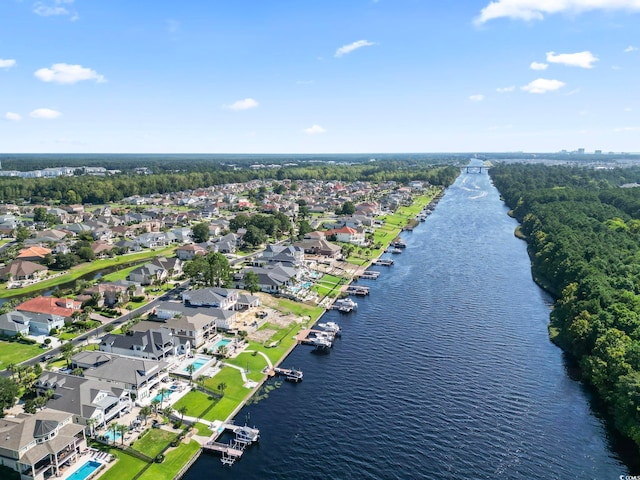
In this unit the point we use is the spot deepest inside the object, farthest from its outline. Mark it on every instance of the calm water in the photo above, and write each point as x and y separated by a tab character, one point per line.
445	371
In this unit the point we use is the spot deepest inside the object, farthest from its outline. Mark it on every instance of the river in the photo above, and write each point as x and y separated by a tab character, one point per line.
444	371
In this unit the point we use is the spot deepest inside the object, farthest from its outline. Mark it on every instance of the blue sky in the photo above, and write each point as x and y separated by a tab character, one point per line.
319	76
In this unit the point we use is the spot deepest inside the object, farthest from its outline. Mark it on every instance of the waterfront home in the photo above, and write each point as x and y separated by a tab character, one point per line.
112	293
290	256
91	402
23	270
223	298
36	446
148	274
157	344
348	235
194	324
271	278
137	376
319	247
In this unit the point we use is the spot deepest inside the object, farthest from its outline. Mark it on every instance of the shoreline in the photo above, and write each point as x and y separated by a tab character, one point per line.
429	199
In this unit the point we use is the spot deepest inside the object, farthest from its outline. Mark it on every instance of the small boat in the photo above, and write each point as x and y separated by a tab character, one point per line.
345	303
395	251
332	327
247	434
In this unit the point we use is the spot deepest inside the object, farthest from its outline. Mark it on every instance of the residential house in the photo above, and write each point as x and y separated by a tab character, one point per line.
63	307
272	279
222	298
37	445
348	235
33	254
138	376
289	255
188	252
92	403
194	324
27	323
155	344
319	247
23	270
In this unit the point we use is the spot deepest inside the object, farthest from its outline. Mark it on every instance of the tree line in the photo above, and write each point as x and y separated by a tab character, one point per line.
113	188
583	236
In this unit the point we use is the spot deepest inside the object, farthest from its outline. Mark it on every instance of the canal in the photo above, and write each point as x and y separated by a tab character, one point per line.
444	371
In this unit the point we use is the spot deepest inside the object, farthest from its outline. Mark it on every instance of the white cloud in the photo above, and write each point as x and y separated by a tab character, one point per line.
508	89
45	113
8	63
68	74
352	46
314	130
476	98
538	66
245	104
630	48
55	8
13	117
580	59
537	9
542	85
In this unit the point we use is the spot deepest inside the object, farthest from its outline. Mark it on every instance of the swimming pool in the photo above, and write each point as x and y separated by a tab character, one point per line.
109	435
85	470
197	364
161	398
222	343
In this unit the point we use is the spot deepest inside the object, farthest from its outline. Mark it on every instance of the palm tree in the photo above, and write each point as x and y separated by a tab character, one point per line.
167	411
190	369
155	403
163	393
145	412
91	424
114	428
122	429
221	387
182	410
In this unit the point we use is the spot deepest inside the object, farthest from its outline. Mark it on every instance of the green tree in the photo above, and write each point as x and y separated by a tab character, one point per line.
251	281
145	412
200	233
211	270
22	233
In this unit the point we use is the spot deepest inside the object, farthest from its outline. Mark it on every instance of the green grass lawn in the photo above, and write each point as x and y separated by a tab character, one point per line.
14	353
154	442
175	459
202	429
328	285
125	467
196	402
255	363
120	274
234	393
85	268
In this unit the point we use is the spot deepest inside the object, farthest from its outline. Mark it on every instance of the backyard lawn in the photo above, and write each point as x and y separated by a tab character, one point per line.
125	467
154	441
14	353
175	459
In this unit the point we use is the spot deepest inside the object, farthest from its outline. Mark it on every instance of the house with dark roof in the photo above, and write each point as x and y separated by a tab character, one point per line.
37	445
91	402
27	323
157	344
138	376
271	278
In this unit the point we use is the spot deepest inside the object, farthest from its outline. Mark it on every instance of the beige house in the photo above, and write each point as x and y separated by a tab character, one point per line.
40	446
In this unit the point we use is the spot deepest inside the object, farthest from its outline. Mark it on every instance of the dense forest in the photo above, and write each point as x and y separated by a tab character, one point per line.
194	173
583	235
